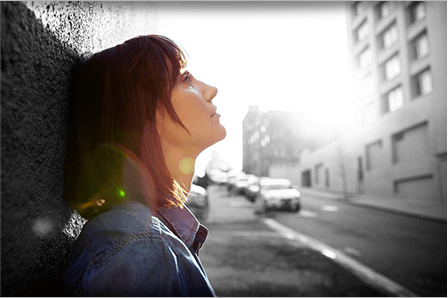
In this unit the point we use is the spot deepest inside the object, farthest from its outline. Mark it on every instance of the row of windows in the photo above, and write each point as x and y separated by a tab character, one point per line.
275	149
382	10
421	84
415	11
259	133
419	46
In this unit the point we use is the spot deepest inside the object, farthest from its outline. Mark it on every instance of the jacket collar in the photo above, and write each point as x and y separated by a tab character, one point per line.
184	224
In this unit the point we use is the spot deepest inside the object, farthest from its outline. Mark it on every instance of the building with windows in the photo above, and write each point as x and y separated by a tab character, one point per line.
398	59
274	140
269	139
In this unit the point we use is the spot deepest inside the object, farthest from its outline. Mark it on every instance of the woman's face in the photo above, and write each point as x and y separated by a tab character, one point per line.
192	101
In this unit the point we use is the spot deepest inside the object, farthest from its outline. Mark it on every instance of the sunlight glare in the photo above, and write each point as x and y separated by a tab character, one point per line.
290	58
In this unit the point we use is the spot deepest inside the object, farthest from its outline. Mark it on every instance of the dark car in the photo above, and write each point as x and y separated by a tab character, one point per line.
237	183
198	202
252	188
277	194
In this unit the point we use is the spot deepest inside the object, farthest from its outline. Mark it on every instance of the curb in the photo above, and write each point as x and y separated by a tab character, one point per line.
402	212
368	275
351	200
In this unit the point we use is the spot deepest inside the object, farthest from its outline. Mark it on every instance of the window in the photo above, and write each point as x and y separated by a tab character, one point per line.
420	46
373	154
358	8
389	36
392	67
362	31
265	141
416	11
365	58
394	100
385	8
422	83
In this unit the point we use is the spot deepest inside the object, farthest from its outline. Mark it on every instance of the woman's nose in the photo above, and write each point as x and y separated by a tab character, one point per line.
210	92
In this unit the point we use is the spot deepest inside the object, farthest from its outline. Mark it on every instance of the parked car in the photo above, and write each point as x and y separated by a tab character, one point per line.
252	188
203	181
242	183
197	202
277	194
237	183
218	177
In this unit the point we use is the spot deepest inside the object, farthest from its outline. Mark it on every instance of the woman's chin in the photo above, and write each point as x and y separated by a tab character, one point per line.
218	136
222	133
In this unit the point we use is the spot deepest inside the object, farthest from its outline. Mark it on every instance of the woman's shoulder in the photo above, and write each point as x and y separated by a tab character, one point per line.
123	224
114	236
129	251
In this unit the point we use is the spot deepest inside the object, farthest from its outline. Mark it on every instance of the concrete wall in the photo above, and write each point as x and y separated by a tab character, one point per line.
40	44
438	46
332	166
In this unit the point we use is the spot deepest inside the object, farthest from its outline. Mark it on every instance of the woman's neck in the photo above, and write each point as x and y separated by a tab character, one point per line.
180	163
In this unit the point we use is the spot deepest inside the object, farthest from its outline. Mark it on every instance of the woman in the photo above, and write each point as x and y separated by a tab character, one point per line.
139	121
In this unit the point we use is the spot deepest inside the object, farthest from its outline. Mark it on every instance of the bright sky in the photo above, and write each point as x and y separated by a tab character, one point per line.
279	56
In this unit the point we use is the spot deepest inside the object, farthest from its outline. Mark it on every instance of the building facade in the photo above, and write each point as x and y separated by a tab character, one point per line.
398	60
217	164
274	140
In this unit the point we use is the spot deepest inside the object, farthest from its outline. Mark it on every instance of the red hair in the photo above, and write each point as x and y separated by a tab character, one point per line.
117	93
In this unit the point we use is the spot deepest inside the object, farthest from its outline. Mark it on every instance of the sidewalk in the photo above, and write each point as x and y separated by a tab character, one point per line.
430	210
243	257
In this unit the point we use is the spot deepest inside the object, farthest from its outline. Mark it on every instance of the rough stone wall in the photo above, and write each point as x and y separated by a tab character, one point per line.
40	45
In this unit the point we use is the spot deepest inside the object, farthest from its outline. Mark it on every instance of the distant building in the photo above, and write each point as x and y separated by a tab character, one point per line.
216	163
251	144
274	140
398	58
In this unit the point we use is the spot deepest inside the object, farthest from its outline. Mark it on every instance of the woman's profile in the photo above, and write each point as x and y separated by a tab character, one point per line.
139	120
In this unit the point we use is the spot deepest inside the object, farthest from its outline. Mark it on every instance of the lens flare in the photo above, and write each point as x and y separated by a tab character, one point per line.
186	165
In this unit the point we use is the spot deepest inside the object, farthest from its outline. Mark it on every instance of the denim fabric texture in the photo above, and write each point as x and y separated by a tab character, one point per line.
128	251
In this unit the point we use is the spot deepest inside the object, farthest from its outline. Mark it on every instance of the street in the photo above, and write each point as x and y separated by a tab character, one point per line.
405	249
408	250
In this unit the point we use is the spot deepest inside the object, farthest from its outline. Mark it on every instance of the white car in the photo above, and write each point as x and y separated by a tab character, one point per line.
277	194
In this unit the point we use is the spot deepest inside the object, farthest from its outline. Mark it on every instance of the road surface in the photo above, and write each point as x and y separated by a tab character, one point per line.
408	250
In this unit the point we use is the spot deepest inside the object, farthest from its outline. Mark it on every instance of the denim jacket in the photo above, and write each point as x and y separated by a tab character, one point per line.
128	251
